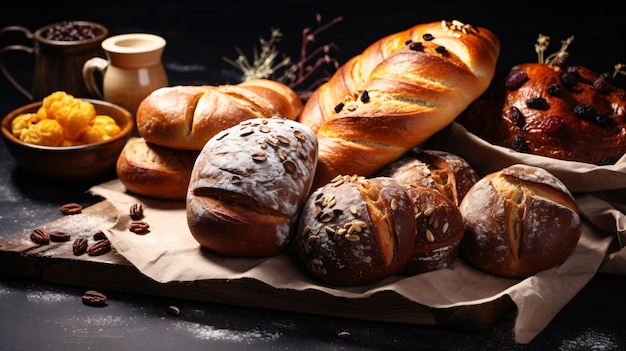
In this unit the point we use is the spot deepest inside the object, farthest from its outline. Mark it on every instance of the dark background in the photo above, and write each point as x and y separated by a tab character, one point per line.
200	34
36	315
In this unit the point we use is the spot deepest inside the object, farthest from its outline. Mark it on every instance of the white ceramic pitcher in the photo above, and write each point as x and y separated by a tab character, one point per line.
132	70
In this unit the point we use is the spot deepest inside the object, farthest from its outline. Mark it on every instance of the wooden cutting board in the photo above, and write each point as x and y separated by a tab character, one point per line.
56	263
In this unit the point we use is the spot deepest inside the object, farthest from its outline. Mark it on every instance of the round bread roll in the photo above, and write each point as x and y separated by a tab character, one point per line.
519	221
248	185
186	117
567	113
356	231
446	172
440	228
155	171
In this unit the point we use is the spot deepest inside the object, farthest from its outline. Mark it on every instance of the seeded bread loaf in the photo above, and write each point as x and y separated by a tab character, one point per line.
396	94
248	185
519	221
186	117
440	170
356	231
155	171
439	227
567	113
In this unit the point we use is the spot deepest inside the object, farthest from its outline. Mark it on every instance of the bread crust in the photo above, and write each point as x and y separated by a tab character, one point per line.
155	171
519	221
396	94
439	229
505	118
356	231
186	117
248	185
448	173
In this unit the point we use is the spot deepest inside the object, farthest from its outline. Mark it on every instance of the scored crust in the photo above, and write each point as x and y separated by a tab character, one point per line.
248	186
519	221
186	117
155	171
356	231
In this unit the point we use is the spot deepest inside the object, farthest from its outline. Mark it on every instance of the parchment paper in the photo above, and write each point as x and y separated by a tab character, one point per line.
169	253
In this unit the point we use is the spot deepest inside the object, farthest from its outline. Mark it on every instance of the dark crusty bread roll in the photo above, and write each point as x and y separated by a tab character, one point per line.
519	221
155	171
186	117
248	185
396	94
440	228
567	113
440	170
356	231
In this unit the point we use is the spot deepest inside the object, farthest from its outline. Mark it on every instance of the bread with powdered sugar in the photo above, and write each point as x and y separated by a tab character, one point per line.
248	185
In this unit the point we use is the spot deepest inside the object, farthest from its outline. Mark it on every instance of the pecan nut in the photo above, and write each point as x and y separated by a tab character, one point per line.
59	236
94	298
99	235
136	211
139	227
173	310
39	236
99	248
71	208
79	246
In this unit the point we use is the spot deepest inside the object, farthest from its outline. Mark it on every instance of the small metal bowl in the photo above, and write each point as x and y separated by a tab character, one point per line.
70	162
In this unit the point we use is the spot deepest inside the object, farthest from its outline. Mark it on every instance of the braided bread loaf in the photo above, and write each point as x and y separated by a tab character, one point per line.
396	94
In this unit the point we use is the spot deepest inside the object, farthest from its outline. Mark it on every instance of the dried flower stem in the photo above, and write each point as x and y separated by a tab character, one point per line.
620	68
556	59
543	41
286	71
308	37
263	65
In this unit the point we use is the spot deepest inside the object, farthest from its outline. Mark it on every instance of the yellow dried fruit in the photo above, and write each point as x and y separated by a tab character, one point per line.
47	132
63	120
102	128
21	123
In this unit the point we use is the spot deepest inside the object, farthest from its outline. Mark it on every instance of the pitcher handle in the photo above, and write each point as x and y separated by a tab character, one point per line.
27	33
8	75
91	66
30	50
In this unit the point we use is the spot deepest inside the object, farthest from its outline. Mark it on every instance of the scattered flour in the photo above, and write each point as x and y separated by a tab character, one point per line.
207	332
590	341
47	297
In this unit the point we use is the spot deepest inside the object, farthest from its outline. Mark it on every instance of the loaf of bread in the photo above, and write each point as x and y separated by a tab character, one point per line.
356	231
519	221
186	117
397	93
440	170
155	171
567	113
440	228
248	186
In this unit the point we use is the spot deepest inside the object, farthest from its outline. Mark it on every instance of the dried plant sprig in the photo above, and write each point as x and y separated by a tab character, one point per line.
556	59
620	68
264	63
559	57
286	71
543	41
304	71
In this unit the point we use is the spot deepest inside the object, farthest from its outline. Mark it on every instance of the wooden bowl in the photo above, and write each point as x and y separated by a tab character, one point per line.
70	162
